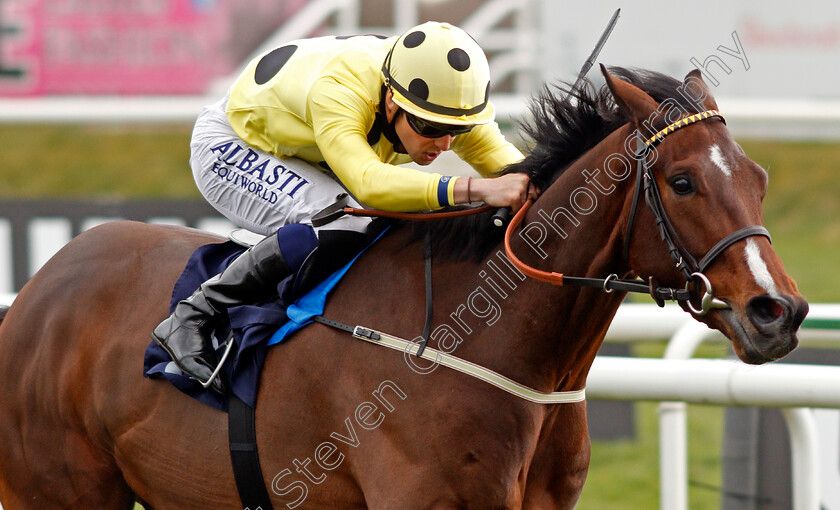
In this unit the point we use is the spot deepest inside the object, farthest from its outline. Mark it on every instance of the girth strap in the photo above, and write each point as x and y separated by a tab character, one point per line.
242	437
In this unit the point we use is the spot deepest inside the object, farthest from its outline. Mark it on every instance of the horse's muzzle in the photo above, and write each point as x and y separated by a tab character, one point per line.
776	320
776	315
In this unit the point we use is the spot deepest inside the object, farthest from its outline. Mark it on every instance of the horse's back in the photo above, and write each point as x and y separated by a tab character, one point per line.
68	389
121	270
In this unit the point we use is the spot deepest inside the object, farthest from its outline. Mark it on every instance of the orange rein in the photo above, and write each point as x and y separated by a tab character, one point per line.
543	276
416	216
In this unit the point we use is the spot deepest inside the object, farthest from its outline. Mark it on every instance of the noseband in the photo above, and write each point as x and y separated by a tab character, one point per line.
685	262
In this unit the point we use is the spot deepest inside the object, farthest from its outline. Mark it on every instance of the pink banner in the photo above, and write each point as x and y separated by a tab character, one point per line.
128	46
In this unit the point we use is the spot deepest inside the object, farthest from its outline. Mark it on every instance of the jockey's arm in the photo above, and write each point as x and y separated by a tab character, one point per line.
341	134
338	119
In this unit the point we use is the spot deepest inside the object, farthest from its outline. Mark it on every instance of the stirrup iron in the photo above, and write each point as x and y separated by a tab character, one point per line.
218	369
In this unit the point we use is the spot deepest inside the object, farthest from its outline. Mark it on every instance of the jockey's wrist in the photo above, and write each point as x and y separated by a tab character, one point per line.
465	191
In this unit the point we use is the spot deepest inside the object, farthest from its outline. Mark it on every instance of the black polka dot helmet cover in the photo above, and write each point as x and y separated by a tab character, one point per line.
438	72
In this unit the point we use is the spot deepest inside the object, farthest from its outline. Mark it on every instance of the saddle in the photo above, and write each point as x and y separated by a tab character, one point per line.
242	342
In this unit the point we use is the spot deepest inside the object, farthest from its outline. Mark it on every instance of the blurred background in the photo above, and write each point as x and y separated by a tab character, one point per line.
97	100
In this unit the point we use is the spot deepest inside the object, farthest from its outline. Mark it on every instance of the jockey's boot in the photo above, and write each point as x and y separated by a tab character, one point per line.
251	278
335	249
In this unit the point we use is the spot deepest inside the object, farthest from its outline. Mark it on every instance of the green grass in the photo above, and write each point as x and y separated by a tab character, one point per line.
802	211
624	475
79	161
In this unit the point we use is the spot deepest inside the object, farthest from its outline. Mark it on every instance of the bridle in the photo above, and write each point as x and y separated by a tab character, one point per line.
685	262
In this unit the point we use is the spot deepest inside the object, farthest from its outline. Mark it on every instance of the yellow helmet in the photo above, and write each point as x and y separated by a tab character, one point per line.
437	72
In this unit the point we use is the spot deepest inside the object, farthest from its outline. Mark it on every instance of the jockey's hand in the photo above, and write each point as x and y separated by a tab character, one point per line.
510	190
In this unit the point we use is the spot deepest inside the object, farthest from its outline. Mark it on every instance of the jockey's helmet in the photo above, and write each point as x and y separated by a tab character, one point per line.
437	72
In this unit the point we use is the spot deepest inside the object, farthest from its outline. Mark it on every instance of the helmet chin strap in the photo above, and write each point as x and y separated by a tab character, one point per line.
388	128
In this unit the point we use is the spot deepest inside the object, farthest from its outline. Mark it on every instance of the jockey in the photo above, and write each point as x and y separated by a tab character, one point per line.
318	118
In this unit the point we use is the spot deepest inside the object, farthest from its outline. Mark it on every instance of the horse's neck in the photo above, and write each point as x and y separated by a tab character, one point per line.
582	214
555	332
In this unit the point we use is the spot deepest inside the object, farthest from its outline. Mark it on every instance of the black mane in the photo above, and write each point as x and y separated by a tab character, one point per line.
563	127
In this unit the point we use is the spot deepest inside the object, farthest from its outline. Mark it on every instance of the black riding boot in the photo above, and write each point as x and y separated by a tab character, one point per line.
335	248
251	278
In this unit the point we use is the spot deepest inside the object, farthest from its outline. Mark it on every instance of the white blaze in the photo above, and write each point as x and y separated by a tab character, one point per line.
759	268
719	161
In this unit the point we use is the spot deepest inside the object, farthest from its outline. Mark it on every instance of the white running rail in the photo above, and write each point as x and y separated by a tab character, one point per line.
742	385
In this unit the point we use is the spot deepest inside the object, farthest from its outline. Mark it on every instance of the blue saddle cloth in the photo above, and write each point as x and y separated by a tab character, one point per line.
254	328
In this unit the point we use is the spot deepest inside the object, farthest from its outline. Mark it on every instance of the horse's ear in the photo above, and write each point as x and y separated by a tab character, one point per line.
632	100
695	89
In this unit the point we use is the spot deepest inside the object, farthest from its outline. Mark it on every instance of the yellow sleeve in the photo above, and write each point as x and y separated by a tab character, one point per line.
340	119
486	150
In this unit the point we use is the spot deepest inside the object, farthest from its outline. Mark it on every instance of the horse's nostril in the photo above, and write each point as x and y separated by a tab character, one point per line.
800	310
766	311
774	310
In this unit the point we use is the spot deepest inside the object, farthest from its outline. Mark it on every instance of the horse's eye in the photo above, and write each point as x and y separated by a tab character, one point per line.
682	185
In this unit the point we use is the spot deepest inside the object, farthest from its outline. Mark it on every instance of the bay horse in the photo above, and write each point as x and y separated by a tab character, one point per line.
344	424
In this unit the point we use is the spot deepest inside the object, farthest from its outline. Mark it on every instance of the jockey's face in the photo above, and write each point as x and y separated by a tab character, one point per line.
421	149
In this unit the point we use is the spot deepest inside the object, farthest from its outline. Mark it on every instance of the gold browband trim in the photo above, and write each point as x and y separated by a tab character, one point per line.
683	122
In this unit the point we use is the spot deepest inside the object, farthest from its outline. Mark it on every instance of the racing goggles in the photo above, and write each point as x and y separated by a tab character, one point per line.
428	129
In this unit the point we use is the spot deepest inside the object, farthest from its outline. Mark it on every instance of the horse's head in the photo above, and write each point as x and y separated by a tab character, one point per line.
704	189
